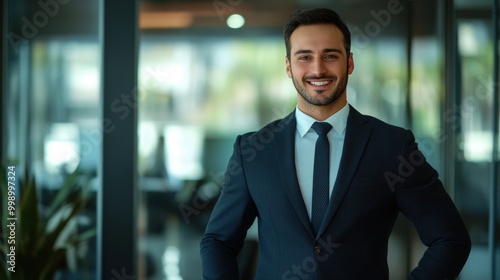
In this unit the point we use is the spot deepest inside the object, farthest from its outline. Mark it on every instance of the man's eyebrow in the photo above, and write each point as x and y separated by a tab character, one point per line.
302	52
324	51
332	50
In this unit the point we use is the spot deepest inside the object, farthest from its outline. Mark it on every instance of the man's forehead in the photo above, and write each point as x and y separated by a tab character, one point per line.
324	32
320	37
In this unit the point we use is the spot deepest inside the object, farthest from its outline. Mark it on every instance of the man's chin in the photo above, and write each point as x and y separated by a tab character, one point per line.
320	98
320	102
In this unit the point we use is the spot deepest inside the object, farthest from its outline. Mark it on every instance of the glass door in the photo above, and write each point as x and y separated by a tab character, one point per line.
51	130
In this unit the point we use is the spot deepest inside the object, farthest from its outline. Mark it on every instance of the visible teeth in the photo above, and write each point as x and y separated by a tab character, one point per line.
324	83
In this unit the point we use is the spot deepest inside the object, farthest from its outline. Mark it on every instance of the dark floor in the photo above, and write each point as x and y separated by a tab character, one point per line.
173	254
171	246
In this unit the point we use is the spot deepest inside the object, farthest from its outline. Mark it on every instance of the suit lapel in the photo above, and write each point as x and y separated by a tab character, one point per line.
284	145
357	133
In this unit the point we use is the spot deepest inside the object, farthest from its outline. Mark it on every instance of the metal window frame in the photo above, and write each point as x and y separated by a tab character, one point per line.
494	159
117	195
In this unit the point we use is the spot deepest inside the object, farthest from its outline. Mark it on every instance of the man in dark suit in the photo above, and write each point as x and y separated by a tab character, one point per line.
326	183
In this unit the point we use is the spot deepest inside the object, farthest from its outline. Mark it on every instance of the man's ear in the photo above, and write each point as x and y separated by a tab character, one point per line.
288	68
350	64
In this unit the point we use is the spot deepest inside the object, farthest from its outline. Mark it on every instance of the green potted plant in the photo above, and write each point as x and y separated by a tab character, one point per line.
31	244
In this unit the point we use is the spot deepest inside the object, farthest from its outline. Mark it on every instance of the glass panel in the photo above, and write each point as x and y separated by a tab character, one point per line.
53	102
473	117
426	96
377	86
197	94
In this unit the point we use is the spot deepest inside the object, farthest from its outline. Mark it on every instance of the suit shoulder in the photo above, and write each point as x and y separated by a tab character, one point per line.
382	131
269	129
384	127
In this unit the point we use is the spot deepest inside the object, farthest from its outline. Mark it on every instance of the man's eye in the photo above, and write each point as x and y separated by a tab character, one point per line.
304	58
330	57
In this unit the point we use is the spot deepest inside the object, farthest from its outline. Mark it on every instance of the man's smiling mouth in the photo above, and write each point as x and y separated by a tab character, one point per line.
319	83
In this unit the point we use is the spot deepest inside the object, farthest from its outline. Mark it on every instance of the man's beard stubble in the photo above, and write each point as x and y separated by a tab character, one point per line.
335	95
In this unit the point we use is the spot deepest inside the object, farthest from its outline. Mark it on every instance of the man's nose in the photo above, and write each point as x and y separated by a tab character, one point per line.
318	67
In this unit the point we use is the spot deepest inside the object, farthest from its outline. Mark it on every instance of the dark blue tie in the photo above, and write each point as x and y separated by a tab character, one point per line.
321	175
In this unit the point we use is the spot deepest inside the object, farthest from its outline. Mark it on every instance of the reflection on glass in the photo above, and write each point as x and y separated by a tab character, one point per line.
376	87
183	152
223	85
170	261
426	97
65	132
66	97
472	119
61	148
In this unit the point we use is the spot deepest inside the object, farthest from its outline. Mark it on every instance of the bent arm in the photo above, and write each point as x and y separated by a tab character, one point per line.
422	198
233	214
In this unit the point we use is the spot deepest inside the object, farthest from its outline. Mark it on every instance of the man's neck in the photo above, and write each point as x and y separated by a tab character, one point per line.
321	113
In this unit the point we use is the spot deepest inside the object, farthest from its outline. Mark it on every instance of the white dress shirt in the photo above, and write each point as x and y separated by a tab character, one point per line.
305	142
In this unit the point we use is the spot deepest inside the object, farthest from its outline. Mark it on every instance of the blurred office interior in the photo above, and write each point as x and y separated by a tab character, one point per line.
146	97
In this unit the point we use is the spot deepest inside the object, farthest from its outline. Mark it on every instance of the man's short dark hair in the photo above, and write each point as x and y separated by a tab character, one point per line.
315	16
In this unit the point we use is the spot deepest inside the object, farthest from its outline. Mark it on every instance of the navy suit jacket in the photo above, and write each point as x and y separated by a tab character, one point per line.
381	173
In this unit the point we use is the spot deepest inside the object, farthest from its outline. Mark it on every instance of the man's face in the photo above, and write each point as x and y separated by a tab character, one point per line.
319	65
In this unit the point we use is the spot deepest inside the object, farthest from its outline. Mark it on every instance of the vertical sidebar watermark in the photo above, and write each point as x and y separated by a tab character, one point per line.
11	218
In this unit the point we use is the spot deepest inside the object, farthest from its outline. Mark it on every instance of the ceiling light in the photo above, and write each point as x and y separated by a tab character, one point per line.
235	21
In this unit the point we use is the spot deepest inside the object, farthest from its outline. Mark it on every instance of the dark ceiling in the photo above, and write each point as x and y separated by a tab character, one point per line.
198	16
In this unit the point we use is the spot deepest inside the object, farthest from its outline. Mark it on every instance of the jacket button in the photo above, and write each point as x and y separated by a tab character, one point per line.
317	250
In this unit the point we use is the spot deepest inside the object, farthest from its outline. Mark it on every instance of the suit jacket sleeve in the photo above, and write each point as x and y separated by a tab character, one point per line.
233	214
421	197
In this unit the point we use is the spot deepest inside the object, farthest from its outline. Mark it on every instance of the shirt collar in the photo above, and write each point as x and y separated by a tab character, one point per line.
337	120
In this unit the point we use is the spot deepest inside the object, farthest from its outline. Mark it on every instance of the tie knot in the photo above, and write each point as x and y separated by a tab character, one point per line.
322	128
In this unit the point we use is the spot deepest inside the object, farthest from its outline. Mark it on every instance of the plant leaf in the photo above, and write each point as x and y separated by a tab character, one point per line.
63	194
83	236
52	264
49	239
28	218
4	186
36	255
3	272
